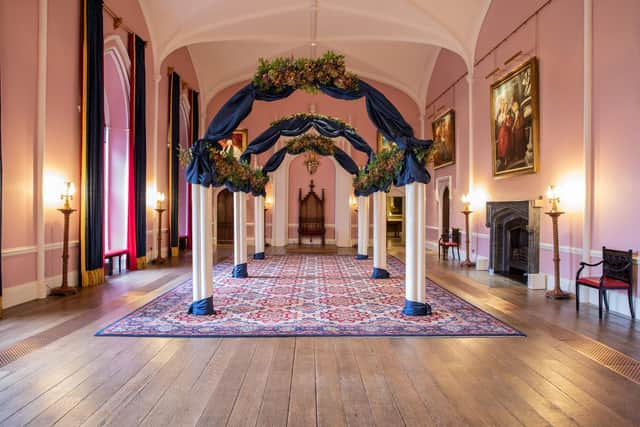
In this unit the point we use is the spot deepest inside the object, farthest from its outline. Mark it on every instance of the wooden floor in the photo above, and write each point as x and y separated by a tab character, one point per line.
79	379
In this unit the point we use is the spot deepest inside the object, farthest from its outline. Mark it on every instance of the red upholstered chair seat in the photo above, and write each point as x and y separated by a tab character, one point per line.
608	283
449	244
118	252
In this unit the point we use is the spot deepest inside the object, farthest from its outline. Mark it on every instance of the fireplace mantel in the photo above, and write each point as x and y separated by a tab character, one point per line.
501	217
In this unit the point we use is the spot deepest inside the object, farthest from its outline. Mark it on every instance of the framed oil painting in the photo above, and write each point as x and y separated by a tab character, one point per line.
514	121
444	138
383	143
237	143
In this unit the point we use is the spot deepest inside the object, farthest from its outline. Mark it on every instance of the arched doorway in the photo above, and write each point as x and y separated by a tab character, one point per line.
445	211
224	216
116	145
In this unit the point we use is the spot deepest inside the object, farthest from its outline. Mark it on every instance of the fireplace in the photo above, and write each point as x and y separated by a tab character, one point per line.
514	238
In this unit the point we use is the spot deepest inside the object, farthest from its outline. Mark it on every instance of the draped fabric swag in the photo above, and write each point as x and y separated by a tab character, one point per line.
341	157
92	181
137	214
173	157
381	111
194	123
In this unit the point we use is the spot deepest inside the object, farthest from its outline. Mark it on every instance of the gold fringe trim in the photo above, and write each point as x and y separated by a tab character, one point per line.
93	277
175	251
141	262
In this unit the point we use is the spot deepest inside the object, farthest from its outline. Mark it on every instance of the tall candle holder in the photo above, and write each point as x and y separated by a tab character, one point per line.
64	289
159	210
466	200
555	213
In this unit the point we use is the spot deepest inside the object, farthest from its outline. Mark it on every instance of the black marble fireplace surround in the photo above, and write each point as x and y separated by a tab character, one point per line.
509	246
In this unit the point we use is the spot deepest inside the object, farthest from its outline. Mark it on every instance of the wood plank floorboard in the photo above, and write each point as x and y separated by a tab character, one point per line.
76	379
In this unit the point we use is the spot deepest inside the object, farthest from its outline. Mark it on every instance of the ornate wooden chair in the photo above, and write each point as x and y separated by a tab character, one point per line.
617	273
452	242
311	215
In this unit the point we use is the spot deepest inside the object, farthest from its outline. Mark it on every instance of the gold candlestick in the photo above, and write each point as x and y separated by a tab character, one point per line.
64	289
466	200
159	259
554	213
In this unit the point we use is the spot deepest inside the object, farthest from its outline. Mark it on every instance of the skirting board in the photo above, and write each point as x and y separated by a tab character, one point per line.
31	290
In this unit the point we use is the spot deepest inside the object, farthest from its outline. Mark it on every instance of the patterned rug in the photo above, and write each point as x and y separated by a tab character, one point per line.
307	295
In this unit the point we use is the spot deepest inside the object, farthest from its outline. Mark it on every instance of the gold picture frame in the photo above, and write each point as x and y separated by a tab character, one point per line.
237	142
444	138
515	121
383	143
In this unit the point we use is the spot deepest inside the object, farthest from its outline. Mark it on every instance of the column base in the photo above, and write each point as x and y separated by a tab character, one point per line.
360	256
203	307
412	308
258	255
380	273
240	271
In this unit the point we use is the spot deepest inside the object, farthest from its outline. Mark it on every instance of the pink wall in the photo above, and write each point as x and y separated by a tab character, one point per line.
18	71
555	37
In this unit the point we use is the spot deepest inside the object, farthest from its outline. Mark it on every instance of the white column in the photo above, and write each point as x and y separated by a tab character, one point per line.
258	227
41	120
202	255
470	159
414	252
379	236
342	210
239	234
587	132
363	227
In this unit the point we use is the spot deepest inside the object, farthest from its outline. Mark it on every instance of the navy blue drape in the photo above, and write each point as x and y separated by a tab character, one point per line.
92	198
295	126
137	233
174	145
384	115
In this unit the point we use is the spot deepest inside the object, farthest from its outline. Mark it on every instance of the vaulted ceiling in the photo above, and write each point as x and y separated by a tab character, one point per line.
392	41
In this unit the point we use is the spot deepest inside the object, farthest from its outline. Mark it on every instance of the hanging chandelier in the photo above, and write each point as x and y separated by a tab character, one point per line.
311	162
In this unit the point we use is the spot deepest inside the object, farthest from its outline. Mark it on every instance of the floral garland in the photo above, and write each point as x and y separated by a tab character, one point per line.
311	116
304	73
237	175
319	143
379	173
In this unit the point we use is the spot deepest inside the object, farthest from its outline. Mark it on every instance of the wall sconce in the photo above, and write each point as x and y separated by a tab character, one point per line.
268	203
353	203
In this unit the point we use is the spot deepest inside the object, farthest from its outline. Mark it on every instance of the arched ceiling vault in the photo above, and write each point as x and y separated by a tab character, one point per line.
395	42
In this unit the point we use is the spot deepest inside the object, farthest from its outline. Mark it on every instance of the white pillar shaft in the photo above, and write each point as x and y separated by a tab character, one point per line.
258	221
363	225
239	228
202	246
587	133
379	230
411	244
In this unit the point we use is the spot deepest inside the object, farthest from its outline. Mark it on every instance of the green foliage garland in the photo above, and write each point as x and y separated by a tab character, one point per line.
380	171
307	74
321	144
317	116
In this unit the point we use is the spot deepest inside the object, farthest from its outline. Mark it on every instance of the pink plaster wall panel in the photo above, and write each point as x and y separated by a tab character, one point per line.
53	261
18	64
18	270
616	96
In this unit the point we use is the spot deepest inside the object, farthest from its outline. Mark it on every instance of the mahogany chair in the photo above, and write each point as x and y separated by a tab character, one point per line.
617	273
450	242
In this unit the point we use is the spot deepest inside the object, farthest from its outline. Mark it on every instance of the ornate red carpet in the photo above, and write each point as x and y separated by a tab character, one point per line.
307	295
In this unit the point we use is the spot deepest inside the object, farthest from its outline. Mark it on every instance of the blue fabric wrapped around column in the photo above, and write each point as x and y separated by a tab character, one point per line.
384	115
258	255
240	271
203	307
413	308
361	256
380	273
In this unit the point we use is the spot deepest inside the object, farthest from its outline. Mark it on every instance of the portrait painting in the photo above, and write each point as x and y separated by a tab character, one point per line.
237	143
514	121
384	143
444	139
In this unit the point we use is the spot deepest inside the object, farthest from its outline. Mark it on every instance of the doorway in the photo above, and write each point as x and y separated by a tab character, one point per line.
445	212
225	217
